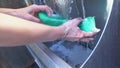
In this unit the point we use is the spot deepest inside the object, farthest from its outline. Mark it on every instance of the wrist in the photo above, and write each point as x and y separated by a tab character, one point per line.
60	32
63	31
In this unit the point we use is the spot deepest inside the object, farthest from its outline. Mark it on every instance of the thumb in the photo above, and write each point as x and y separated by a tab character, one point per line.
76	21
32	18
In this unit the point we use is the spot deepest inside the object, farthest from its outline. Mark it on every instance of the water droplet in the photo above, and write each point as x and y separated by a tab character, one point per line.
72	1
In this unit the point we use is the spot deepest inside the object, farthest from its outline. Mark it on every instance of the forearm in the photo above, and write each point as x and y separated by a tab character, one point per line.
15	31
6	10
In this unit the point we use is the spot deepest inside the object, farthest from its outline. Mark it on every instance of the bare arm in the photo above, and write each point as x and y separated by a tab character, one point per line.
16	31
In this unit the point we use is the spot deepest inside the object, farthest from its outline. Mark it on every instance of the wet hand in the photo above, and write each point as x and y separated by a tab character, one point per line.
73	32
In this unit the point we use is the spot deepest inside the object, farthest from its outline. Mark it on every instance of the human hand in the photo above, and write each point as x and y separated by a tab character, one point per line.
30	12
73	33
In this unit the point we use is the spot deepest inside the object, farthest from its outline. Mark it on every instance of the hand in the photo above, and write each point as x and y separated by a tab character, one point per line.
30	12
73	33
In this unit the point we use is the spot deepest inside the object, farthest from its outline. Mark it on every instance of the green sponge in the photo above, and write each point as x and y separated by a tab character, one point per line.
88	24
54	20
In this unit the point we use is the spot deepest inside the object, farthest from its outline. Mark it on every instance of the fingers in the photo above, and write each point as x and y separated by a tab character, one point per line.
79	39
89	34
86	39
75	22
79	35
37	8
86	36
47	9
32	18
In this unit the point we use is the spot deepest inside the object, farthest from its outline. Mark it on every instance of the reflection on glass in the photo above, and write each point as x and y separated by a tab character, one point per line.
75	53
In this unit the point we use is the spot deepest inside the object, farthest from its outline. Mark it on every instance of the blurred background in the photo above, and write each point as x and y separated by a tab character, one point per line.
73	53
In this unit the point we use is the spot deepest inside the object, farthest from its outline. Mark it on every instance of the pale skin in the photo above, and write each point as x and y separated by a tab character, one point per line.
19	27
